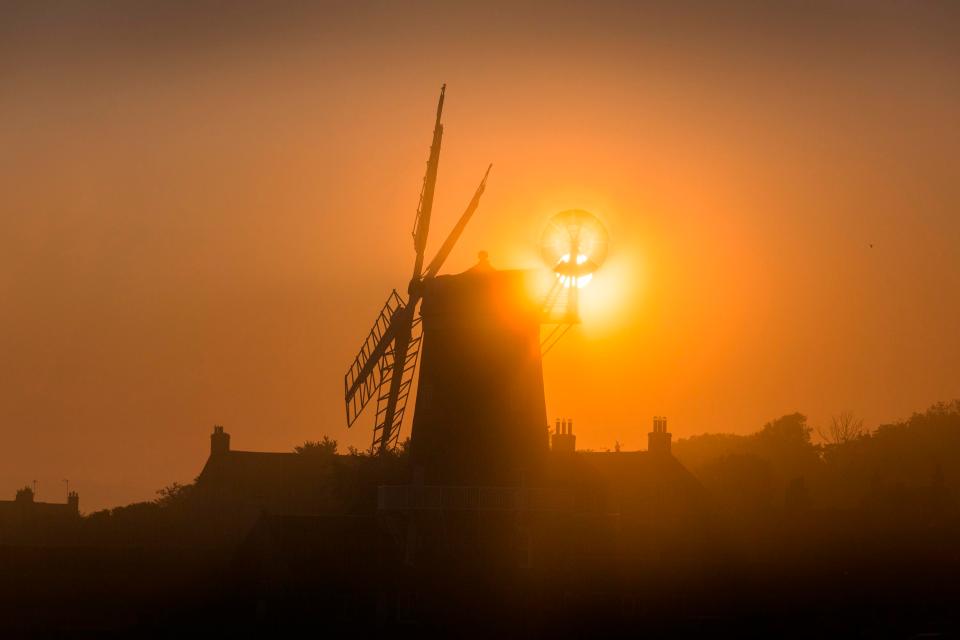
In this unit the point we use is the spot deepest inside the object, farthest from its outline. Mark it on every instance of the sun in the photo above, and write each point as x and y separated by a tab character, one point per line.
574	233
568	280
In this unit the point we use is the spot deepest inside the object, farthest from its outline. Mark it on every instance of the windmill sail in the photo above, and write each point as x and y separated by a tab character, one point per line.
364	378
389	434
403	323
421	224
451	240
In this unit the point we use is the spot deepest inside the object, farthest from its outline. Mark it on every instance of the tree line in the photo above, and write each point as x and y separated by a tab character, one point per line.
780	466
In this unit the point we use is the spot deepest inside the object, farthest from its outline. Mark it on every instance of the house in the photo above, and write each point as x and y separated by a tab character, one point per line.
25	520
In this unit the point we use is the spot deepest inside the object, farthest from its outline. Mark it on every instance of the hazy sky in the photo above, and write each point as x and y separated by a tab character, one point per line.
203	206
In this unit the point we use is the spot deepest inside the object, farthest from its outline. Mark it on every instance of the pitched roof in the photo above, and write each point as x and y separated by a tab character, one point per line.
628	481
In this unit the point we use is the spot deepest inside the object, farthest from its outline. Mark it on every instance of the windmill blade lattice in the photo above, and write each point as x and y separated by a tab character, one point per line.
387	369
364	378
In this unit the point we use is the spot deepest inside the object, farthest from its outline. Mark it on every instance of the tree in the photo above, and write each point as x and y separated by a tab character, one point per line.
843	428
789	431
172	494
326	447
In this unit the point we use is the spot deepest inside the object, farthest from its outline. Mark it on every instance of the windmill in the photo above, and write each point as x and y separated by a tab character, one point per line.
387	361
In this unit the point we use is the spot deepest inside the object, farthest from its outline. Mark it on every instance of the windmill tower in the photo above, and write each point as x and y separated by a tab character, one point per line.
481	413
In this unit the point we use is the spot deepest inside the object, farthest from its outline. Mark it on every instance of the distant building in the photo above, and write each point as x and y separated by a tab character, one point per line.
256	479
26	519
24	507
235	488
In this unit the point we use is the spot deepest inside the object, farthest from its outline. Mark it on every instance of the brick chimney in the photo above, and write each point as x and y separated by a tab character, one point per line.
73	500
658	440
563	439
219	442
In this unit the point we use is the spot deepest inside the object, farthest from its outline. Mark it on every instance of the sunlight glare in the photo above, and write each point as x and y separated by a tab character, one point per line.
567	281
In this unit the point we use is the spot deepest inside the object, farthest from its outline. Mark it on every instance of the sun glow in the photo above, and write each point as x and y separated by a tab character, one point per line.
574	233
568	280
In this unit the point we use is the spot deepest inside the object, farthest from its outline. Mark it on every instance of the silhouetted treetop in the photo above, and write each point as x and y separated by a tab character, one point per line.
787	431
843	428
325	447
174	493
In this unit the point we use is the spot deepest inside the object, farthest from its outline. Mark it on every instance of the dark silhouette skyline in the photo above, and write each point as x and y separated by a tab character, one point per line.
766	533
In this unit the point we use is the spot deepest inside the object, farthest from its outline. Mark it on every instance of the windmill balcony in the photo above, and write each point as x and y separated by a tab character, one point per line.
439	498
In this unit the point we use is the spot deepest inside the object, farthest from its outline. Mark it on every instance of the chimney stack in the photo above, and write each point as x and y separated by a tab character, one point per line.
73	500
564	440
219	441
658	440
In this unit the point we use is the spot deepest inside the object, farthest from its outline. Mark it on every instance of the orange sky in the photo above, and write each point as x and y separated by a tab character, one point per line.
204	206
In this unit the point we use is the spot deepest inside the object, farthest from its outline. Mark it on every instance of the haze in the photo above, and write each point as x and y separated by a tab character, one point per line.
204	206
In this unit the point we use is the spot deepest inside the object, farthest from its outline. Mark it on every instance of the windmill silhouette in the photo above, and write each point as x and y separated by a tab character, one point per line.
387	361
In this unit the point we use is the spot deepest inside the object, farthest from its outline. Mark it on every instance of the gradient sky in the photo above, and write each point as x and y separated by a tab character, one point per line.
203	206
